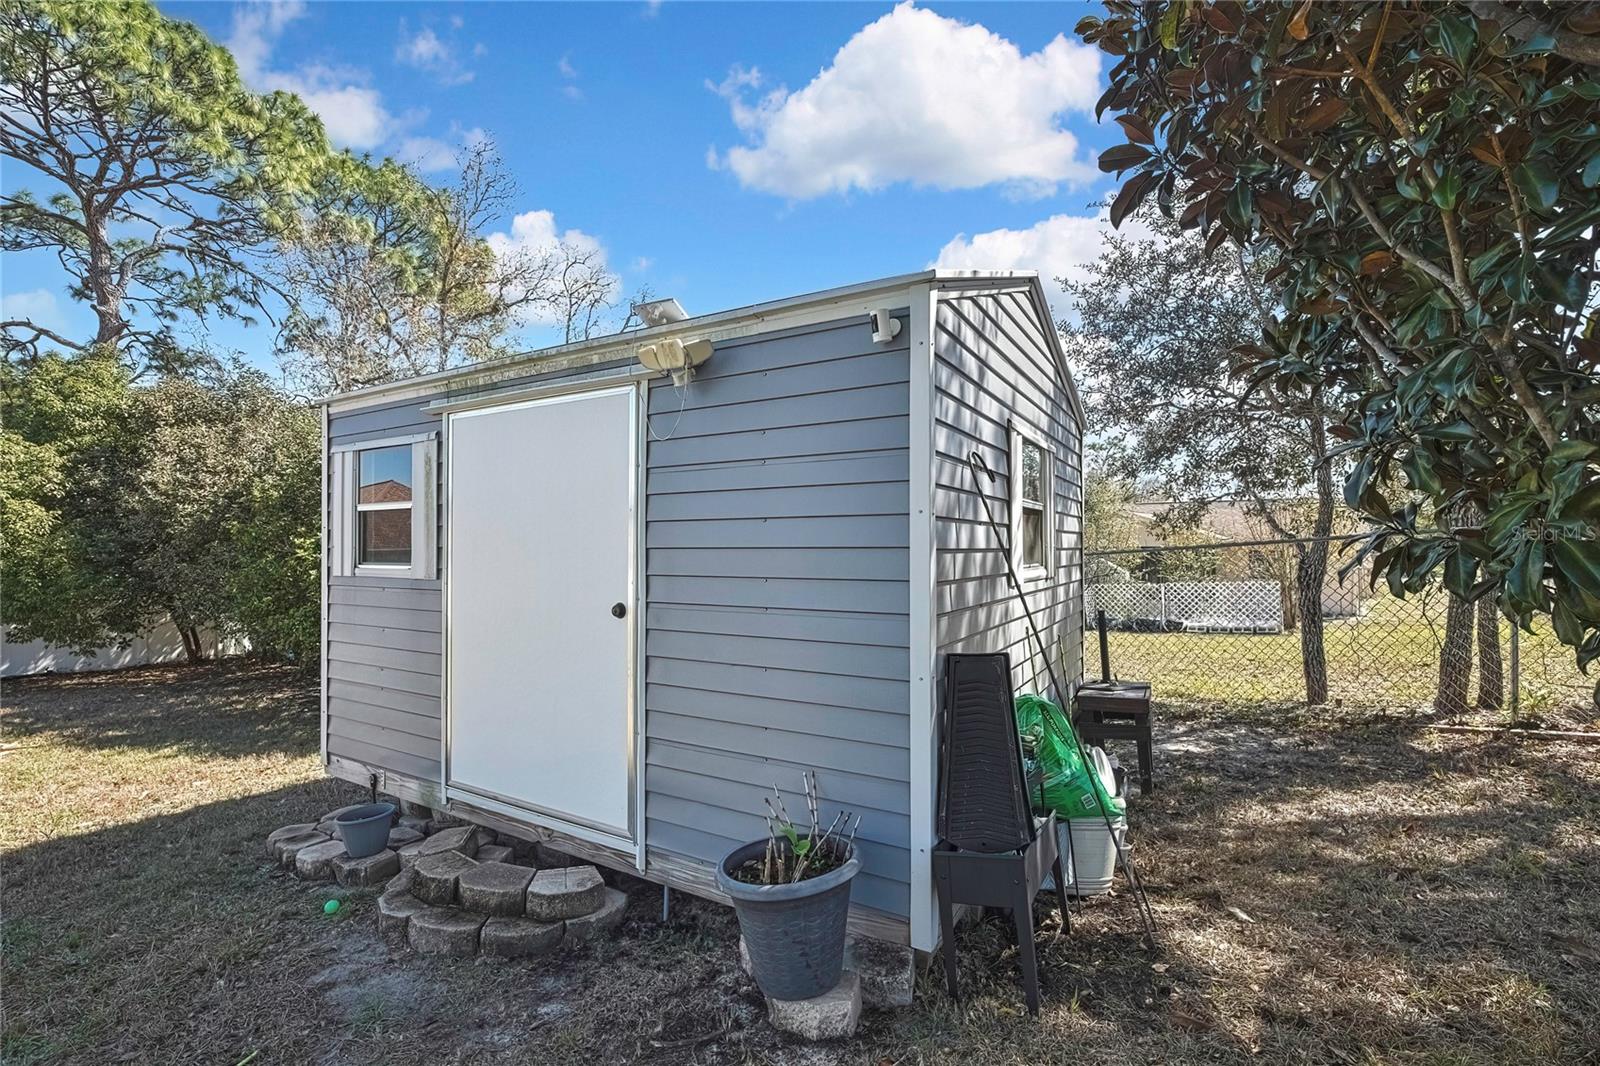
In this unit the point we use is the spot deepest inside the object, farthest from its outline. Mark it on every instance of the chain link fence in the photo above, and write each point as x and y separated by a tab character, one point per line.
1219	622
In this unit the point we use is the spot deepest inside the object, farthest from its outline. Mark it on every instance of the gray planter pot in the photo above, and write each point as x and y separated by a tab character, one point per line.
365	830
794	933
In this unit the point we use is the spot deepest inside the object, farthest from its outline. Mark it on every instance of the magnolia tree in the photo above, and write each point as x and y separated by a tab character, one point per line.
1427	175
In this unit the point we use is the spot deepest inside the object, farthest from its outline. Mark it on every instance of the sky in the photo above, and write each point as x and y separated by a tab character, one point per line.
722	154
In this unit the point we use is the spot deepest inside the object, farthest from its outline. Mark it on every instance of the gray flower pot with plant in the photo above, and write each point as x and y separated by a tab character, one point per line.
793	932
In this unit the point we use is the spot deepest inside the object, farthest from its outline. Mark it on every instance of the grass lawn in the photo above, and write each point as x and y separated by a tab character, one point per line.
1330	890
1386	657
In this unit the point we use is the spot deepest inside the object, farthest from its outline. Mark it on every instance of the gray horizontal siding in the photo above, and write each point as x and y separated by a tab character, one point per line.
383	667
777	597
777	602
993	366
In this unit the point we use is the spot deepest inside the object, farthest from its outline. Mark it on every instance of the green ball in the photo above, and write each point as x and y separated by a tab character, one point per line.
331	907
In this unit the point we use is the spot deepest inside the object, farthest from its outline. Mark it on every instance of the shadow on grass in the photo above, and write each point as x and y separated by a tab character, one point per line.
175	939
126	941
1406	898
1327	892
228	708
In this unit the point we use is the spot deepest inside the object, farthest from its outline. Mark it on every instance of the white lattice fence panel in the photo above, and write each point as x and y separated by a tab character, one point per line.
1226	605
1248	606
1124	599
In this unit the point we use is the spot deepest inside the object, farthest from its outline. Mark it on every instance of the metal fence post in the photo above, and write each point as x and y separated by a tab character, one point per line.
1516	669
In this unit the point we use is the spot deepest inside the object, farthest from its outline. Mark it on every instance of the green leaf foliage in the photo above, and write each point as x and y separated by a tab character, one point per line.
198	172
124	505
1426	178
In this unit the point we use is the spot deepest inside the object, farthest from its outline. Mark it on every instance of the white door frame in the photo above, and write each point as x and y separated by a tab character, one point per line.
633	840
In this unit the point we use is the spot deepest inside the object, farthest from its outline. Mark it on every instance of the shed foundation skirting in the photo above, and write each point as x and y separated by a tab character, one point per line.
663	869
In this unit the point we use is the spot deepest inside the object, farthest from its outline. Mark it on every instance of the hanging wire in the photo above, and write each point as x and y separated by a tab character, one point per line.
683	402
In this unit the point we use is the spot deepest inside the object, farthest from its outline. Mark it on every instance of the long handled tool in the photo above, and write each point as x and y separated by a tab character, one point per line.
980	470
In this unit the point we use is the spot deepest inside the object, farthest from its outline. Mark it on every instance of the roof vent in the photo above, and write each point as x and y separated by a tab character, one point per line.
660	312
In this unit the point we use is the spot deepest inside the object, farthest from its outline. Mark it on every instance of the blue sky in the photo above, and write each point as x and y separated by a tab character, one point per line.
720	153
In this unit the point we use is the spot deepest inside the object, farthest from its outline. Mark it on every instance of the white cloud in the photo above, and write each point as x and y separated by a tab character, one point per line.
1056	247
351	110
432	154
427	51
920	98
256	28
534	233
38	306
420	50
569	73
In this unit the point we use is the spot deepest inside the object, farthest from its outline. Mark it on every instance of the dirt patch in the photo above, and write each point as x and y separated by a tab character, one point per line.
1331	888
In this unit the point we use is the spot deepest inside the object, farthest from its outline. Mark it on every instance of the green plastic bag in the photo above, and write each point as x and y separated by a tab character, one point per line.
1071	787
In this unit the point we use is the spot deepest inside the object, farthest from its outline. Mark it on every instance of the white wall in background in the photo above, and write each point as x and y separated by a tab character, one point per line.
161	644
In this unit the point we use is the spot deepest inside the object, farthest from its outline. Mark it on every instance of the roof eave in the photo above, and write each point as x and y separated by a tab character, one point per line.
642	336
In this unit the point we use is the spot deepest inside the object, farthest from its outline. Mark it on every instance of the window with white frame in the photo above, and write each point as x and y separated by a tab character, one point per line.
383	507
1031	508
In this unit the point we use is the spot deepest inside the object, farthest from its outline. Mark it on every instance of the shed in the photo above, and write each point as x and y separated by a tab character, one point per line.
572	600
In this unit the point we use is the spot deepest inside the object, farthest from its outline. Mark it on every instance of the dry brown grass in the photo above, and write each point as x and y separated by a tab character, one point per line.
1411	898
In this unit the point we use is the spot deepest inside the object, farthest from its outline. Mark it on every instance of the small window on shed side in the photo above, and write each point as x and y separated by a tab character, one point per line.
383	507
1031	508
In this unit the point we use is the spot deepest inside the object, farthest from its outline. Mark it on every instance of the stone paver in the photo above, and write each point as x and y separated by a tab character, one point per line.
417	823
569	892
546	857
460	838
315	862
366	872
400	836
495	853
396	909
888	971
436	876
830	1016
519	938
444	931
613	907
408	854
400	884
277	835
494	888
333	815
288	847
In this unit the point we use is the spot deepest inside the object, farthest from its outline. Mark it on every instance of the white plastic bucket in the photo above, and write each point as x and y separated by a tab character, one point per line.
1088	855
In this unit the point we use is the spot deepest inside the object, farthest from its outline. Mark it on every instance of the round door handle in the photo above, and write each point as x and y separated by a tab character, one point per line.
619	610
